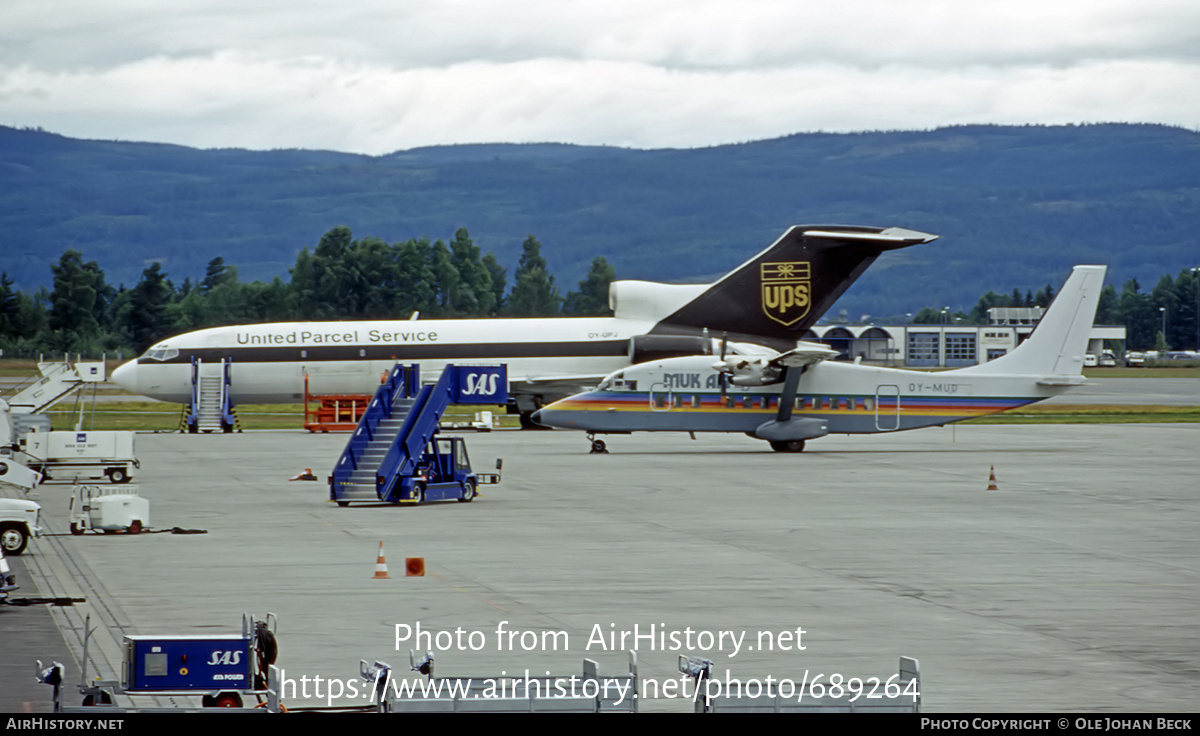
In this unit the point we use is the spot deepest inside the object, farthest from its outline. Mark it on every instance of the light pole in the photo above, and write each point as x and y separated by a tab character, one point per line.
1163	310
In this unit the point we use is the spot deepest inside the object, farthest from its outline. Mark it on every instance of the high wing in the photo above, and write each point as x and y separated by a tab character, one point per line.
764	370
805	354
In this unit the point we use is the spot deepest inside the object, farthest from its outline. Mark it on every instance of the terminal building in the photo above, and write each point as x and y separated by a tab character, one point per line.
947	345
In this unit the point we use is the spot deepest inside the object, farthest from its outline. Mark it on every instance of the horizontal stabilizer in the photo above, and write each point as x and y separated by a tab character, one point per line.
1062	381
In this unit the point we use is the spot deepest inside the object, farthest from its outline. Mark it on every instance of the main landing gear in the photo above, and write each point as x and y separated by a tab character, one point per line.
598	447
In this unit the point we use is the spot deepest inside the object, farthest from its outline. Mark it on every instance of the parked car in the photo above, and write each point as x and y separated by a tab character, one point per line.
1136	360
18	522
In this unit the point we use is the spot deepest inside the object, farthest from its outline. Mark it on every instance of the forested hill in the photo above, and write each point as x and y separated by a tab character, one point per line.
1015	206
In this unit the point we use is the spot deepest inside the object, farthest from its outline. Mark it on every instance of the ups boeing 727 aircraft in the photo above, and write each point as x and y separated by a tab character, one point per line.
772	298
798	395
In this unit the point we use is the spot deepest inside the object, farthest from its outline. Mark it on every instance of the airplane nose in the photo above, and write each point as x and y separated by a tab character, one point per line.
125	376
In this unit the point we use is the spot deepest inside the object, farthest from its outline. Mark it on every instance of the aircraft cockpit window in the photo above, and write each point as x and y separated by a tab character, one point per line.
611	381
162	353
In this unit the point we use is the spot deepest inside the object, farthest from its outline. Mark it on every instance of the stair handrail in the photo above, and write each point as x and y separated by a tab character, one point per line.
193	418
227	415
379	408
418	429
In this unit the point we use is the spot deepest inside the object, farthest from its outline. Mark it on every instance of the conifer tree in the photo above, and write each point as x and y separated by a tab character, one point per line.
533	293
72	318
591	299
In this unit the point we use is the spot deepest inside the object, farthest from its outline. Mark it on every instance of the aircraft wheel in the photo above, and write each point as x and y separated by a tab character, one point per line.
599	448
13	539
222	700
788	446
468	492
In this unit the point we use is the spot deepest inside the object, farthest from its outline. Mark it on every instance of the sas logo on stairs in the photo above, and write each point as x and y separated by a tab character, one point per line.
480	384
785	291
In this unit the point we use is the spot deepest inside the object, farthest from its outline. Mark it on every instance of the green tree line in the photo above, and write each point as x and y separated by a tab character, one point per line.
342	278
1168	318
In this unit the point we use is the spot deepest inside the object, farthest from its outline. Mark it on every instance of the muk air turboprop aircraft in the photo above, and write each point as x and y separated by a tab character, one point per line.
772	298
799	395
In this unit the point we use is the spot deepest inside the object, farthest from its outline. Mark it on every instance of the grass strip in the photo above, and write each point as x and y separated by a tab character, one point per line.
1093	414
153	416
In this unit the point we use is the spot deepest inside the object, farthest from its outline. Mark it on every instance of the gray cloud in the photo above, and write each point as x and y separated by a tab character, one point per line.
376	76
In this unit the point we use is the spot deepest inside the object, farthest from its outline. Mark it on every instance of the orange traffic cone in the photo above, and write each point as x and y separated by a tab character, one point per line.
381	572
414	567
992	480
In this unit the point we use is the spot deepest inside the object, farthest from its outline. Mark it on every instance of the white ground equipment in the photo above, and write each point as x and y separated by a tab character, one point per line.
74	454
18	516
58	381
108	510
67	454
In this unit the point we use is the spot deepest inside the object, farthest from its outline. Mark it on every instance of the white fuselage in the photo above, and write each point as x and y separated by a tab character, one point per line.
269	362
684	394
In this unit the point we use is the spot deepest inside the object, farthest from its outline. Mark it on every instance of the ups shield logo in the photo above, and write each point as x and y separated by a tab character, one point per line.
785	290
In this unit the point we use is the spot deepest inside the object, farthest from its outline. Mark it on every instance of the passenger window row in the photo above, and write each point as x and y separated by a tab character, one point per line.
811	403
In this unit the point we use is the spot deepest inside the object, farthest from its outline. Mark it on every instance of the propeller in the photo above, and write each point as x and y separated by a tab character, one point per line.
722	371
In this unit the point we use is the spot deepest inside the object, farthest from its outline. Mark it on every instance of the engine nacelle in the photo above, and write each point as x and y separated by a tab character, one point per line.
647	348
744	371
646	300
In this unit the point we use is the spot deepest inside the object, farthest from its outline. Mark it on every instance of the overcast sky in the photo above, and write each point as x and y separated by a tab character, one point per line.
375	76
